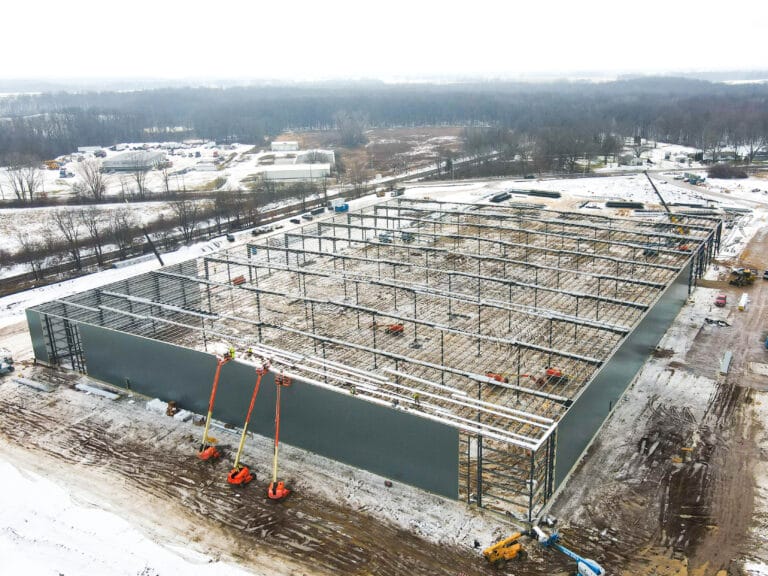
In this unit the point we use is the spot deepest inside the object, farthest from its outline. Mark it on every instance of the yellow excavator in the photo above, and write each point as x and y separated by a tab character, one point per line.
505	550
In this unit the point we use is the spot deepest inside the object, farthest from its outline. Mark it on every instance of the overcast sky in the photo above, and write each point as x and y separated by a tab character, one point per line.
376	39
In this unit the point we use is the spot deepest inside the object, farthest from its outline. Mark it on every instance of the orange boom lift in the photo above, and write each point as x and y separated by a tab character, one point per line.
240	475
277	490
207	450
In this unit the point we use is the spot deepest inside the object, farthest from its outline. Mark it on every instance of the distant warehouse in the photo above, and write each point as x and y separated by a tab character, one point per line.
284	172
133	161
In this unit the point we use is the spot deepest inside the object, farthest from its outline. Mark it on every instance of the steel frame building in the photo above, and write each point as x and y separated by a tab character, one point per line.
459	402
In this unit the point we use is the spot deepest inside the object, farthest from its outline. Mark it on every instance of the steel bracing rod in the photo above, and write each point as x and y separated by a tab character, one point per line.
488	407
391	355
507	282
475	256
522	207
170	307
375	312
457	296
536	231
505	243
457	253
503	210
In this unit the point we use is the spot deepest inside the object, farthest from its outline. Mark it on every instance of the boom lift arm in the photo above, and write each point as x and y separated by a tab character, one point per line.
240	475
278	490
207	450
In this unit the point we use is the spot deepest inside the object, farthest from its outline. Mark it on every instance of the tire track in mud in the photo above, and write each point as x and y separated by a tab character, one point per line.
323	536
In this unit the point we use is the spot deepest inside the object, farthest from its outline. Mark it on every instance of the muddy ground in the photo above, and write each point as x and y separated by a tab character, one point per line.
674	493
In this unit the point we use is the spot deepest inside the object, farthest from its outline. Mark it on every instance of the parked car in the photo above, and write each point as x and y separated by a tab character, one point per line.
231	237
295	221
720	300
307	216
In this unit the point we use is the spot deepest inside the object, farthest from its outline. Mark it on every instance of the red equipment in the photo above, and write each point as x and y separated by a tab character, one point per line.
240	475
395	329
207	450
278	490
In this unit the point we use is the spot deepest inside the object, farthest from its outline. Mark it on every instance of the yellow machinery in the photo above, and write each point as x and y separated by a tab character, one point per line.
743	276
504	550
672	218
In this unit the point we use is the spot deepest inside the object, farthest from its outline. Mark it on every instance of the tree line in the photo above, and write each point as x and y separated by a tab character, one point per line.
690	112
81	236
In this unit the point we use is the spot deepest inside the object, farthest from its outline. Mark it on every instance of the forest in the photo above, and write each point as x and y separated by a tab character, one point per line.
557	119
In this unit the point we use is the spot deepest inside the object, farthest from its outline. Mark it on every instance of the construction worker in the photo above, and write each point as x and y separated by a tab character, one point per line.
232	352
249	352
417	398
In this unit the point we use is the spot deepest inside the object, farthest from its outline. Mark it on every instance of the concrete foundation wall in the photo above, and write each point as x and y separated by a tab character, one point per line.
591	407
389	442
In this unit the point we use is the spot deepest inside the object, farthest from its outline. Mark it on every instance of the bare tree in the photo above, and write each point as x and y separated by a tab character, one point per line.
751	132
31	253
166	174
94	221
68	225
351	127
186	212
139	176
24	178
123	230
94	180
358	176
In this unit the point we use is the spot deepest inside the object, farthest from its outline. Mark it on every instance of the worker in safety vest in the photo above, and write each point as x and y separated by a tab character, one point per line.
232	352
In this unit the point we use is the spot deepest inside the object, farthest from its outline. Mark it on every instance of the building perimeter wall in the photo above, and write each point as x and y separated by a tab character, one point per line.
590	409
391	442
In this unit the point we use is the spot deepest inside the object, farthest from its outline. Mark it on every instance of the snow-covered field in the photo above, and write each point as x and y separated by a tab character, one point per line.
47	530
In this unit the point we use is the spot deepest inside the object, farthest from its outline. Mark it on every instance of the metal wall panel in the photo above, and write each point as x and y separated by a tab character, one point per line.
582	421
36	334
389	442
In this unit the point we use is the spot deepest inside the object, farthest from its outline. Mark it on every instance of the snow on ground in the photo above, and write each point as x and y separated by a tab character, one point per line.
758	566
737	238
35	221
12	307
45	530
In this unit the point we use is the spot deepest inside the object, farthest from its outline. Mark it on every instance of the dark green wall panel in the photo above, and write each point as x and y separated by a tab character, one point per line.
36	334
393	443
587	414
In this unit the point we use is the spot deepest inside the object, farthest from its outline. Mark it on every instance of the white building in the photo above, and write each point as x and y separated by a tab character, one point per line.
285	146
288	172
134	161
